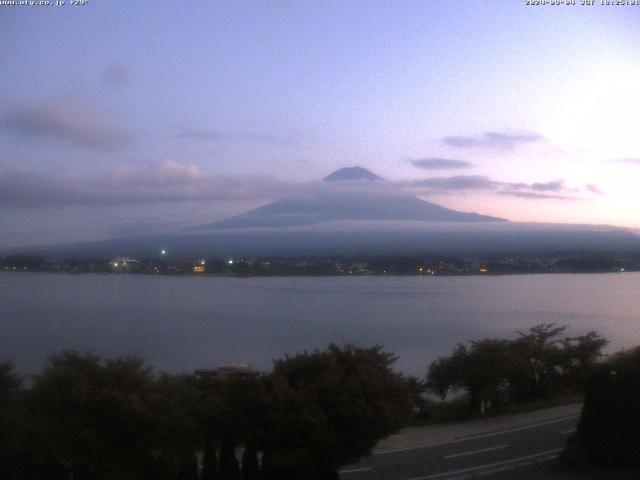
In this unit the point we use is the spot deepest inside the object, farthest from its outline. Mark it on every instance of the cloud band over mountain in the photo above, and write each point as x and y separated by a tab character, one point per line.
172	181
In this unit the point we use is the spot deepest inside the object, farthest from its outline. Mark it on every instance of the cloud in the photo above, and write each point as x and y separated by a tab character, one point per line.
206	135
132	185
481	182
434	163
594	189
493	140
27	189
116	76
553	186
168	174
628	161
458	182
80	126
537	196
175	182
461	183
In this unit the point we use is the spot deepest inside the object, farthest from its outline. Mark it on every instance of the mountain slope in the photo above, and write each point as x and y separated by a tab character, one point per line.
353	205
356	221
371	238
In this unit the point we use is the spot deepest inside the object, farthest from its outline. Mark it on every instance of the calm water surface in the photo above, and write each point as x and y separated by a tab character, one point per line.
182	323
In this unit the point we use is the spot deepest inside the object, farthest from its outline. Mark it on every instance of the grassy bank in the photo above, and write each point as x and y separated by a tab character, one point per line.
457	409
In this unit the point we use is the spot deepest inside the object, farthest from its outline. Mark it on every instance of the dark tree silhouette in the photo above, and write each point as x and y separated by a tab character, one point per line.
537	363
174	405
250	464
231	414
229	467
92	418
209	458
329	408
483	369
610	420
11	423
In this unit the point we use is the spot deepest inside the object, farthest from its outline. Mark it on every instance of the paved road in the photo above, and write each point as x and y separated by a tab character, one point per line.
488	455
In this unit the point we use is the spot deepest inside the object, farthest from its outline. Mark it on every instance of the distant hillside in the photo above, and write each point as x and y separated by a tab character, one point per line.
372	238
358	222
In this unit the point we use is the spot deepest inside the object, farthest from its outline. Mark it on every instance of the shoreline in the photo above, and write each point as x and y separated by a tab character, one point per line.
307	275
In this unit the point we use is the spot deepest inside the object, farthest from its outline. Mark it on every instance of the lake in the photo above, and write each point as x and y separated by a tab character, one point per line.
183	323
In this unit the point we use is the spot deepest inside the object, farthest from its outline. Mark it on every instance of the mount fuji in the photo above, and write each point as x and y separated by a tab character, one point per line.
354	212
344	204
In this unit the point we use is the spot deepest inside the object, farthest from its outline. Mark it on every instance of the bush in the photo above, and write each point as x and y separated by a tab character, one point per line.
330	408
536	364
609	428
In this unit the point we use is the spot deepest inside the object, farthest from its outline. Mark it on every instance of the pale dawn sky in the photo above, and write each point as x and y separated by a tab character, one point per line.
123	118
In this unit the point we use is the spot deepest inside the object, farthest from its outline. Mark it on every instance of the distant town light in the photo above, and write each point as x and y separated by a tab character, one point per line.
163	252
230	262
115	264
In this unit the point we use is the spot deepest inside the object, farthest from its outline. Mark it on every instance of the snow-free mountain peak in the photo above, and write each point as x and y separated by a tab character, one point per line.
350	174
350	205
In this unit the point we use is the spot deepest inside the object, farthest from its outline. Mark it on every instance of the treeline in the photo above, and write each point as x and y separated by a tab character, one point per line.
84	417
540	362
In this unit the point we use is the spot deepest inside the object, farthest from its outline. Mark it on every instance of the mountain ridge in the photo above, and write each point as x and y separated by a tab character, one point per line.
350	205
361	221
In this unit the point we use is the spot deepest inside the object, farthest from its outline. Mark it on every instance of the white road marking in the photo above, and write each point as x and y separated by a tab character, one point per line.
355	470
488	465
483	435
489	449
